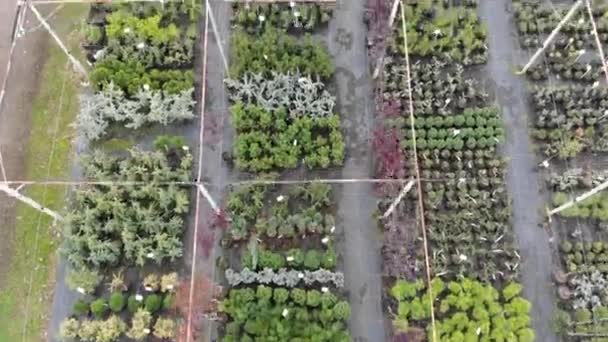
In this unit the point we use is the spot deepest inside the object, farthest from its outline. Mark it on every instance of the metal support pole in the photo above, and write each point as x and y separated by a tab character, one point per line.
398	200
15	194
578	199
598	42
391	21
552	36
209	199
2	169
217	37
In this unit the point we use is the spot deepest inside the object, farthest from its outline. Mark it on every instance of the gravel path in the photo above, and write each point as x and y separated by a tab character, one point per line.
523	182
361	256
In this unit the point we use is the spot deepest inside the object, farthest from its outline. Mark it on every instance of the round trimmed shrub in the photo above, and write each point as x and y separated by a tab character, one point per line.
99	308
133	304
312	260
168	301
81	307
117	302
153	303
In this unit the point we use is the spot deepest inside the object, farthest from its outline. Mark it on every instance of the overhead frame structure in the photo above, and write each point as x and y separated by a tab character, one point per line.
552	36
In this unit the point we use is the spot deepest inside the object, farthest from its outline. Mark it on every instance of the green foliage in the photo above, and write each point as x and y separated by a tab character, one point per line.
312	260
342	311
269	140
595	207
99	308
329	259
131	76
169	142
93	34
298	214
478	128
276	261
128	224
310	16
403	290
274	50
84	279
298	296
511	291
117	302
465	307
122	23
81	307
153	303
454	31
168	302
271	315
280	295
133	304
561	321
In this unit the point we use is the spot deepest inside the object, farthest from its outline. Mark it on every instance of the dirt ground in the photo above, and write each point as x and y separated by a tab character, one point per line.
22	83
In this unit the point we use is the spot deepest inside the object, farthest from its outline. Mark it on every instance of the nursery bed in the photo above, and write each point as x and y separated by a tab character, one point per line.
344	37
562	229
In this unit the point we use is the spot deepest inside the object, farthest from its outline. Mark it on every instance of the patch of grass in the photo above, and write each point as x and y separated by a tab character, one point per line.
116	145
24	307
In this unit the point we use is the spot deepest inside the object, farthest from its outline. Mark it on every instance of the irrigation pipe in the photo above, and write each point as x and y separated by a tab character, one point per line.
199	175
552	36
598	42
2	169
416	166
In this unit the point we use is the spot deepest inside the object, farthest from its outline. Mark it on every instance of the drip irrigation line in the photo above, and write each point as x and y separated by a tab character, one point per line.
598	42
199	174
417	169
2	169
22	183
